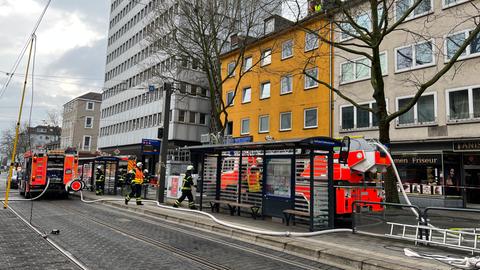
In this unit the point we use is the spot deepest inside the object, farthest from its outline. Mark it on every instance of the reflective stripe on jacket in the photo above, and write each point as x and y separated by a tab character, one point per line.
138	176
187	182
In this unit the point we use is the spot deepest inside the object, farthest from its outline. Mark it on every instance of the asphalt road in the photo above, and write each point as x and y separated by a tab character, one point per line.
105	238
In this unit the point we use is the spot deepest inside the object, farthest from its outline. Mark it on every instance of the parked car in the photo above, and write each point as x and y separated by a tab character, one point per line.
16	175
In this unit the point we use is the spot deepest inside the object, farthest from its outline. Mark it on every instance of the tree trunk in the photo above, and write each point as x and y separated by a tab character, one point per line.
390	181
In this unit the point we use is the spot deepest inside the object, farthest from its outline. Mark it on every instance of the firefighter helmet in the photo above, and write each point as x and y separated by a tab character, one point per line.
189	168
145	171
99	166
139	164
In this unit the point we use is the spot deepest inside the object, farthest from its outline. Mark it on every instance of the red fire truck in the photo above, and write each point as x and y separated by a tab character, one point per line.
57	166
355	180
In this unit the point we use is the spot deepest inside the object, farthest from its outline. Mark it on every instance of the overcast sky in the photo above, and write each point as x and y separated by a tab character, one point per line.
70	59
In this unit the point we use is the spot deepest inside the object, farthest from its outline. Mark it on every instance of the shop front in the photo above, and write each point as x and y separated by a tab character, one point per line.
440	174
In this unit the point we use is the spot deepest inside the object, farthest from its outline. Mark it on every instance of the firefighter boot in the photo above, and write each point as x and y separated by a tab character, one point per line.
139	202
176	204
192	206
127	198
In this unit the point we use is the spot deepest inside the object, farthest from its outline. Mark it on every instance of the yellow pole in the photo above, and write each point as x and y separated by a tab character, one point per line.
17	128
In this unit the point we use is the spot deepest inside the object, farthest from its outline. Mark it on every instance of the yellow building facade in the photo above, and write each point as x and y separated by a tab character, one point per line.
270	97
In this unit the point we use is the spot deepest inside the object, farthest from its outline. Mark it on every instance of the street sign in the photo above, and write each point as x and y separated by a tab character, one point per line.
151	88
150	147
243	139
116	152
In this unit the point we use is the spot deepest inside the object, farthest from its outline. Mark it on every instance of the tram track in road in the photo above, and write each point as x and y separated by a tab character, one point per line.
62	251
140	237
184	254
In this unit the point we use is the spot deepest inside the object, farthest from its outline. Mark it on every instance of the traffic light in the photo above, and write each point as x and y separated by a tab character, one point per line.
160	133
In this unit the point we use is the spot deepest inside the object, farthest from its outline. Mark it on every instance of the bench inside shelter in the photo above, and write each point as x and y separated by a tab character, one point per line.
234	206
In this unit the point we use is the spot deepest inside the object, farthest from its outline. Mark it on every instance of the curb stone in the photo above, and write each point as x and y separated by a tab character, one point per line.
327	253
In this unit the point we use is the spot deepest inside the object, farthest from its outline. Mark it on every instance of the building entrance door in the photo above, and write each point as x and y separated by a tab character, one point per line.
472	183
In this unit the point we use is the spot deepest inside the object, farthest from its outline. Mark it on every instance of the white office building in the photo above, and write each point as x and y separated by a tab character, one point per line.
132	102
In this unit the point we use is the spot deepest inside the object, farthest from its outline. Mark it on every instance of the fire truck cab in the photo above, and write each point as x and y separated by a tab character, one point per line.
55	167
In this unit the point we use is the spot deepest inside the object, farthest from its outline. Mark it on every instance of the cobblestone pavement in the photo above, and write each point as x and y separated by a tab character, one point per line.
100	247
22	248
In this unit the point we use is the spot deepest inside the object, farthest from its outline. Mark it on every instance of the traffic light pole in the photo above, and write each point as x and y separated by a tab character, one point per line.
167	87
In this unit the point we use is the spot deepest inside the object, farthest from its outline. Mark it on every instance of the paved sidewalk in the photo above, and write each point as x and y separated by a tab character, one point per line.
345	250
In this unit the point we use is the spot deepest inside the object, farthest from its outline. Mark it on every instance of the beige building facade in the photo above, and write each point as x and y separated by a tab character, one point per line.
437	142
81	119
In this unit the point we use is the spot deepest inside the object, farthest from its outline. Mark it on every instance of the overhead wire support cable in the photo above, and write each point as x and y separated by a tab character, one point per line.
24	49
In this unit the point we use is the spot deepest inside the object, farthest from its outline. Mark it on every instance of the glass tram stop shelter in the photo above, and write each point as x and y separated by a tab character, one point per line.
270	179
110	167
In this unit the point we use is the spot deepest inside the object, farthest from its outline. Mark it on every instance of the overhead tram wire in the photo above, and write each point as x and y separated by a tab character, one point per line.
24	49
34	40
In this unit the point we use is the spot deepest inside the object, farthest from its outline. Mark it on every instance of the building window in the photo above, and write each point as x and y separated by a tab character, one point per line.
230	95
247	65
229	128
263	124
87	141
287	49
414	56
309	81
247	95
181	116
451	3
463	104
265	90
192	118
269	26
401	6
88	122
231	69
358	118
286	84
360	69
423	112
310	118
203	119
311	41
90	106
285	121
245	128
266	57
455	41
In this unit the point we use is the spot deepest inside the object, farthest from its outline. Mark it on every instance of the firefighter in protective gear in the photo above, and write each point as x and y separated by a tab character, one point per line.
136	184
99	181
187	189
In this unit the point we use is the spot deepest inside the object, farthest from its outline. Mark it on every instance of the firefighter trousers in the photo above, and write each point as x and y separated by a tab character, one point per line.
135	193
186	194
99	187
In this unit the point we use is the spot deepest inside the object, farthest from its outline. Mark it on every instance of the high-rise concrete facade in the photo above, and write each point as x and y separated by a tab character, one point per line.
132	107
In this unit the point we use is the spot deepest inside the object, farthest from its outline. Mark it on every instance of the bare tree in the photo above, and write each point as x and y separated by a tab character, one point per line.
193	35
359	29
8	138
54	118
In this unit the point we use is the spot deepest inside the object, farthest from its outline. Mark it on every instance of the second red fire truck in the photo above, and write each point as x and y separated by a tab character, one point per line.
57	168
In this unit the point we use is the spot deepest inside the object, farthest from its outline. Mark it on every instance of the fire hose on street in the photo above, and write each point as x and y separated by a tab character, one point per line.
463	263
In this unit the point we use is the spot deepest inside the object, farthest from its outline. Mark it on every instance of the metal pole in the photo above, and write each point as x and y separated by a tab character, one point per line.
17	128
164	146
